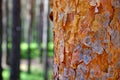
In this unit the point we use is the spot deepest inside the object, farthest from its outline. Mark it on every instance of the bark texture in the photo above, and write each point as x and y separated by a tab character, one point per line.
86	39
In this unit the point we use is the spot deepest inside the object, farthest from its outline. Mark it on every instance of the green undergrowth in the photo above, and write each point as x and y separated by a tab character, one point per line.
36	74
34	49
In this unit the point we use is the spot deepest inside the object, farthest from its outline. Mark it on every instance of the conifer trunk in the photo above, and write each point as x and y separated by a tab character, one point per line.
16	38
30	33
86	39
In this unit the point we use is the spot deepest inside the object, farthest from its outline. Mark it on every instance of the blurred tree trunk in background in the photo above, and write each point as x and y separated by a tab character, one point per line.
6	32
30	32
45	39
1	40
25	19
40	29
86	39
16	38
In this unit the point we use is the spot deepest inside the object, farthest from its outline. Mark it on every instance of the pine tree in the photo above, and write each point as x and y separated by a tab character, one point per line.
87	39
16	37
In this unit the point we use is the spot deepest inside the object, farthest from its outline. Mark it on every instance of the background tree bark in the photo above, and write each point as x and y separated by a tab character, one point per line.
1	40
16	38
87	39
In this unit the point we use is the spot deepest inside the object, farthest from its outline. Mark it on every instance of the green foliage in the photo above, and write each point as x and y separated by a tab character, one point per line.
50	46
24	46
6	74
34	49
9	45
36	74
50	49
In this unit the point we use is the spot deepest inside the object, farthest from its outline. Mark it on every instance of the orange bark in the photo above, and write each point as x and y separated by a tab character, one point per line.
86	39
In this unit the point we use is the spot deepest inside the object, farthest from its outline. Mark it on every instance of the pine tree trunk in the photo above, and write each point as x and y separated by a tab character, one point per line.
1	40
6	32
45	39
16	38
87	39
30	34
40	30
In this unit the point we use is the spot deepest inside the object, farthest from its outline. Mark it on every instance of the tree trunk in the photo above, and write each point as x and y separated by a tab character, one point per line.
16	38
29	50
45	39
30	33
6	32
1	40
40	29
86	39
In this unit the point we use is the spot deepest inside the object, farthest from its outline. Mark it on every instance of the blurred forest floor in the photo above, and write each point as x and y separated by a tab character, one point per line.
36	69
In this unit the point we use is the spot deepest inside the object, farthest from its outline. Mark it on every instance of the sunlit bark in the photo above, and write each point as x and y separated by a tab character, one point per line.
86	39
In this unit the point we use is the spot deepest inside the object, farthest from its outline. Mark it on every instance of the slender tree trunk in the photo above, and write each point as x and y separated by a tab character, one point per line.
40	29
1	40
6	32
29	50
45	39
87	39
30	34
16	38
